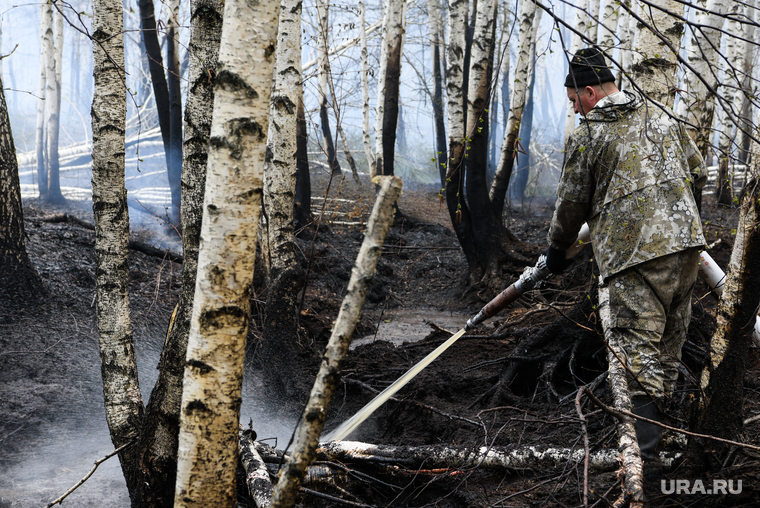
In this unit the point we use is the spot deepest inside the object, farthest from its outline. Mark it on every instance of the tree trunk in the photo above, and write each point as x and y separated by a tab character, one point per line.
160	90
212	385
364	77
456	94
523	68
19	281
323	13
386	116
608	27
46	48
286	277
303	179
173	81
121	390
627	36
53	110
313	420
732	85
576	43
158	445
656	73
487	227
697	104
748	108
720	413
434	15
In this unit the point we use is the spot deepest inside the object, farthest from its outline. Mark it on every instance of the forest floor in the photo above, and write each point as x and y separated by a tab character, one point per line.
52	425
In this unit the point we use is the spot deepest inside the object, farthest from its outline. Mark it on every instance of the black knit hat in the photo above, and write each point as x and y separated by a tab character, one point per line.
589	68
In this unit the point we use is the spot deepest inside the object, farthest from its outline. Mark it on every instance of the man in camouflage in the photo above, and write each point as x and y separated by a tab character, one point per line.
630	172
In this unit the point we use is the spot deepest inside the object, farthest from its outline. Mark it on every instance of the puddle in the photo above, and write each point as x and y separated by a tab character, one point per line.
399	325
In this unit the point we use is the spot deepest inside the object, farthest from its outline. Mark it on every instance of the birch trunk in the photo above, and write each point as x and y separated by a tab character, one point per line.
19	281
656	73
208	440
323	37
434	15
517	104
627	36
313	420
731	106
46	49
286	277
720	412
121	390
592	27
364	76
160	435
173	78
53	109
748	107
697	104
576	43
456	93
609	27
303	179
386	114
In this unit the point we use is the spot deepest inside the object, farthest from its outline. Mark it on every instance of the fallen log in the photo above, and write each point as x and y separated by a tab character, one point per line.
256	472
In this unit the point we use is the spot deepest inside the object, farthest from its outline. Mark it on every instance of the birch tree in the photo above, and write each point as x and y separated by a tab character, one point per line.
386	112
732	84
53	63
576	43
173	78
697	104
121	389
286	277
364	77
46	51
434	16
160	433
212	385
323	15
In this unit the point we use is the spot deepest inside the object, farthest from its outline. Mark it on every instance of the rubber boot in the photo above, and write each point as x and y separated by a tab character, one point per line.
649	435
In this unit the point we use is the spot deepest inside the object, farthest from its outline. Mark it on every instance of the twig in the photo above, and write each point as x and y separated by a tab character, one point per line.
620	413
335	499
751	419
92	471
585	444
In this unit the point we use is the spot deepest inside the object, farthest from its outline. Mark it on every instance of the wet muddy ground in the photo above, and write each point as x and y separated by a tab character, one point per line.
52	425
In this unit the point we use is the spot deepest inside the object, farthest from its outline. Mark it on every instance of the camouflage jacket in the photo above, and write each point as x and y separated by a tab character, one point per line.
629	172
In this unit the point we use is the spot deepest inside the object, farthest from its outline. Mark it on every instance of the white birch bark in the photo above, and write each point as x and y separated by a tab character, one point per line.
523	66
731	91
480	53
656	73
455	75
592	27
46	50
393	20
609	27
208	440
53	64
748	106
121	389
364	77
312	423
281	168
580	24
628	37
697	103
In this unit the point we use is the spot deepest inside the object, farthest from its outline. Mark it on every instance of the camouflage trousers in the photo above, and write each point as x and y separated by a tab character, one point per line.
645	311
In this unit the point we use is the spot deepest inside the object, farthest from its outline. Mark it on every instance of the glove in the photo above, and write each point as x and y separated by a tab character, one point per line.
555	260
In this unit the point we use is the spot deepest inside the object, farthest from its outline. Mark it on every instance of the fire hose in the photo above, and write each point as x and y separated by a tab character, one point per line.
530	277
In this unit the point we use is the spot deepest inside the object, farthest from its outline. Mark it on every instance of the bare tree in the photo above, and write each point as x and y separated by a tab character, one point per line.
53	64
323	37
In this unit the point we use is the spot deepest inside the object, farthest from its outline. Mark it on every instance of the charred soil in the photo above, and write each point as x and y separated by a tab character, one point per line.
509	384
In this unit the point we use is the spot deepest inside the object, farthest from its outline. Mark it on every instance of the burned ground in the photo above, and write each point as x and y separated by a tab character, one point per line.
549	339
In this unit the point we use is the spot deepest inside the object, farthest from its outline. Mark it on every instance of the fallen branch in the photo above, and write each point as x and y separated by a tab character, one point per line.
133	244
585	444
92	471
256	472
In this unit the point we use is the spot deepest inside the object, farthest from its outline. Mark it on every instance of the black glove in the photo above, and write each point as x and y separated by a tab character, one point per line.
555	260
